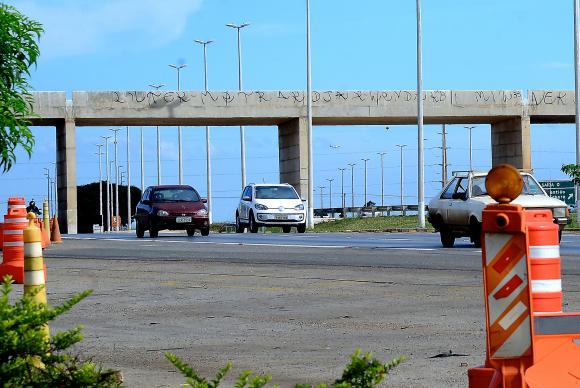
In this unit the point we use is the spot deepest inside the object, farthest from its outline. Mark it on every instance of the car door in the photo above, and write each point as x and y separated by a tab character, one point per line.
245	204
458	210
141	210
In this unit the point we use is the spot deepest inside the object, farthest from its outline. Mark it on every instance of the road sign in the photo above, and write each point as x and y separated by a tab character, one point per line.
562	190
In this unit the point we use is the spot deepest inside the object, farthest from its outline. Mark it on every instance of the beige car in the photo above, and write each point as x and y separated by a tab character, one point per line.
456	210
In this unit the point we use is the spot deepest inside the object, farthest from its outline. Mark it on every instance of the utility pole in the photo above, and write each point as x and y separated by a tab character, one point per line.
100	153
207	137
365	160
55	189
128	182
112	189
108	228
382	178
179	151
577	92
401	146
342	199
443	156
119	183
47	173
115	142
157	87
242	135
309	119
420	147
470	149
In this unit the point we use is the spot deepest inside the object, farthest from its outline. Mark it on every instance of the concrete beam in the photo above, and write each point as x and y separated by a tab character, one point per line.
510	143
49	108
293	154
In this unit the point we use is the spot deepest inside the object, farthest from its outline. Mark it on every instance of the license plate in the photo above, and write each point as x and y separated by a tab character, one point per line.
281	217
182	220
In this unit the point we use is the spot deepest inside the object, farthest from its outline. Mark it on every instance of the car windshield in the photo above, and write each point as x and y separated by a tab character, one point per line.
531	187
275	192
175	195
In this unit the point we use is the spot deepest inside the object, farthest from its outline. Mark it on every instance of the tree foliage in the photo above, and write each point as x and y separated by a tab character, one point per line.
18	53
28	359
573	171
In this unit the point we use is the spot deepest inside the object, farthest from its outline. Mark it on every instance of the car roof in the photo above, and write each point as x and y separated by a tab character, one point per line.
171	187
269	184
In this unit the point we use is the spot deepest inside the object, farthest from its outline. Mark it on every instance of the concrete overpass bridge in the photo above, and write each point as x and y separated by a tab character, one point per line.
510	113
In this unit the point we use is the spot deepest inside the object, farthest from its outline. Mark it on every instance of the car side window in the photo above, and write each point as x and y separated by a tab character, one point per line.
461	188
448	193
146	194
247	192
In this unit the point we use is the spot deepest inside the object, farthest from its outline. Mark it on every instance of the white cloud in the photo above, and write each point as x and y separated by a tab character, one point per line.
75	27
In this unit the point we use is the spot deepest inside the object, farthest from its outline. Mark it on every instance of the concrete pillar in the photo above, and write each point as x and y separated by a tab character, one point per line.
510	142
66	160
293	153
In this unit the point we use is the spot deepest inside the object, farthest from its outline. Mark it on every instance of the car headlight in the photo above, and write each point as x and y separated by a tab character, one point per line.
162	213
559	212
299	207
202	212
259	206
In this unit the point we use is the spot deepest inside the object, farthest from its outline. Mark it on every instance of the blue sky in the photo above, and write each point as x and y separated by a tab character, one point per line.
127	44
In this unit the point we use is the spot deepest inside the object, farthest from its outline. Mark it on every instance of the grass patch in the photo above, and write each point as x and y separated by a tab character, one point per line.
370	224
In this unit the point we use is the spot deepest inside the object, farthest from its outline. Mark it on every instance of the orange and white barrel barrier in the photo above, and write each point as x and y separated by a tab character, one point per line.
34	275
545	262
13	245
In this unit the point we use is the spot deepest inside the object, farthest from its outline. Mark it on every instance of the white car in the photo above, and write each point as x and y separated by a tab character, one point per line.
456	211
270	205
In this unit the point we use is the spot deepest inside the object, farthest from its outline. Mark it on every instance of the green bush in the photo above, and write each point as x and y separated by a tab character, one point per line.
28	358
364	371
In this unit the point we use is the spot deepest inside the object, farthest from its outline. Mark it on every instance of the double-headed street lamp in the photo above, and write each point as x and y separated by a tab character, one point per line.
242	136
207	135
342	199
100	153
365	160
330	193
179	151
157	87
115	130
352	183
470	149
108	228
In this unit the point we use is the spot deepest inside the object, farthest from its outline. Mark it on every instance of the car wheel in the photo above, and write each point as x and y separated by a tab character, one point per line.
447	238
286	229
139	230
253	226
153	233
205	232
239	227
475	232
190	232
301	228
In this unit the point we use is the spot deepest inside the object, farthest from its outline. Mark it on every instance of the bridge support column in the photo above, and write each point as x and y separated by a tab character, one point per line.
293	154
66	161
510	142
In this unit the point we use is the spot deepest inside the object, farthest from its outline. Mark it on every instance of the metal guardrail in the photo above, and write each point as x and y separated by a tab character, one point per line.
369	209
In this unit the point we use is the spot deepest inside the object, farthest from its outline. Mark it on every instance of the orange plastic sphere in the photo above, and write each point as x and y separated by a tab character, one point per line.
504	183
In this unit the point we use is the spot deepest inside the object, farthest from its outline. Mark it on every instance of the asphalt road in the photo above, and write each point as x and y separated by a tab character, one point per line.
294	306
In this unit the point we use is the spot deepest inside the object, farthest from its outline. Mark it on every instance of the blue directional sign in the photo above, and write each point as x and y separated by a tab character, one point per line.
562	190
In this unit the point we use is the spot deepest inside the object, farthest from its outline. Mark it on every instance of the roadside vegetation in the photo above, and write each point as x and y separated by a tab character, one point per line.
370	224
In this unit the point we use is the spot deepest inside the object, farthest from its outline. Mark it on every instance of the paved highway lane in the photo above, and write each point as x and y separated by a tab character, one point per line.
294	306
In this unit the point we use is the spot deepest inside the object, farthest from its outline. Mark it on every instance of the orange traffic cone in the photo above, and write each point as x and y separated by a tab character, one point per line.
55	232
41	226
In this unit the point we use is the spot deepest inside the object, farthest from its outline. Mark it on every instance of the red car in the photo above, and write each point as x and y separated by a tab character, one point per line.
172	207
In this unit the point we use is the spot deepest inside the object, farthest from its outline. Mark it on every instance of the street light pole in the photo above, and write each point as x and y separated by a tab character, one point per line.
142	164
342	201
100	153
352	183
47	173
207	137
443	156
119	182
365	160
382	178
321	198
116	212
421	166
309	117
108	228
128	183
401	146
179	151
330	194
470	149
157	87
242	135
110	194
55	190
577	91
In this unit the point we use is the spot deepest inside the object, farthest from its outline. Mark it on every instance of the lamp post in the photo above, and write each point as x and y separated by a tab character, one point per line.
110	194
115	142
342	200
401	146
55	190
470	150
119	182
128	183
106	138
365	160
100	153
242	136
382	178
207	136
330	194
157	87
309	117
577	91
443	156
321	197
420	151
49	196
179	152
142	164
352	183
